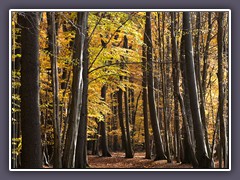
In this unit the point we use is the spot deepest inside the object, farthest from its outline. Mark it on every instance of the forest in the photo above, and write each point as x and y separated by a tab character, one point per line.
94	89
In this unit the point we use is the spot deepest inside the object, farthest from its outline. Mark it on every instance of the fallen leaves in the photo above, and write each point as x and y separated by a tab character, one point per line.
118	160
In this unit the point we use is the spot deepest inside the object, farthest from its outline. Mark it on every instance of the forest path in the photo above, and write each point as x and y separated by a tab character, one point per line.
118	160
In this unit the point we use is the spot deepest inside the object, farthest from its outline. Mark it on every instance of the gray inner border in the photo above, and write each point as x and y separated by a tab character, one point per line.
109	4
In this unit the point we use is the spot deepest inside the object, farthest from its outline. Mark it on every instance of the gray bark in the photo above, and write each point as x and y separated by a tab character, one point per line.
152	107
201	150
77	90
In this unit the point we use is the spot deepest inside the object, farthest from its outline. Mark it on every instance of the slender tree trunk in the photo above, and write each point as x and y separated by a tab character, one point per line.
201	151
205	55
121	120
145	101
30	114
175	74
164	85
126	103
223	136
103	133
114	121
52	47
152	107
77	91
81	144
198	78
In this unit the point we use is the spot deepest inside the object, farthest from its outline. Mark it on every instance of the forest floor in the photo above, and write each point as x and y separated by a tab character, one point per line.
118	160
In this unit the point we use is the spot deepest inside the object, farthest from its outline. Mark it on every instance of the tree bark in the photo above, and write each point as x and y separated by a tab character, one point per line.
145	101
29	93
81	160
103	133
52	48
77	91
201	151
126	103
152	107
220	74
175	74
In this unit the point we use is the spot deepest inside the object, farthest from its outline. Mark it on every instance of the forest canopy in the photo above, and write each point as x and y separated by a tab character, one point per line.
90	85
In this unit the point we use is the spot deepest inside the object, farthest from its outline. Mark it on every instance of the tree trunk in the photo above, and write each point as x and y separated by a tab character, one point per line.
114	121
165	97
81	147
188	134
175	74
77	91
152	107
145	101
29	93
103	133
52	47
126	103
220	74
198	78
205	55
186	96
201	151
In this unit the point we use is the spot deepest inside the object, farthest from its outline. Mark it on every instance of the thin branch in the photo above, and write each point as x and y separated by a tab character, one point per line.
109	40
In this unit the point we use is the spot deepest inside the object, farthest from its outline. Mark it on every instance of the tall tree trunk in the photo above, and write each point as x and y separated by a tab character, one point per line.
30	115
81	160
126	103
205	55
145	101
152	107
223	136
186	97
201	151
175	74
121	118
52	47
188	134
198	78
77	91
164	85
103	133
114	121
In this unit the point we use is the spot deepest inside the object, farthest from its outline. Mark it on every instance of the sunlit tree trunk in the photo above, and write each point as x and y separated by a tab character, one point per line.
77	91
81	160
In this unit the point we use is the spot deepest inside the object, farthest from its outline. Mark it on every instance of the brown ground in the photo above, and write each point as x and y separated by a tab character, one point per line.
119	161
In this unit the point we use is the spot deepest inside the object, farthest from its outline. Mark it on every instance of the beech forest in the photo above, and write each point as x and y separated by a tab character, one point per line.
124	90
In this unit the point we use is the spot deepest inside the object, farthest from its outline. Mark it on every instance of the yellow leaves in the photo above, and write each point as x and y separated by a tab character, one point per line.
17	143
